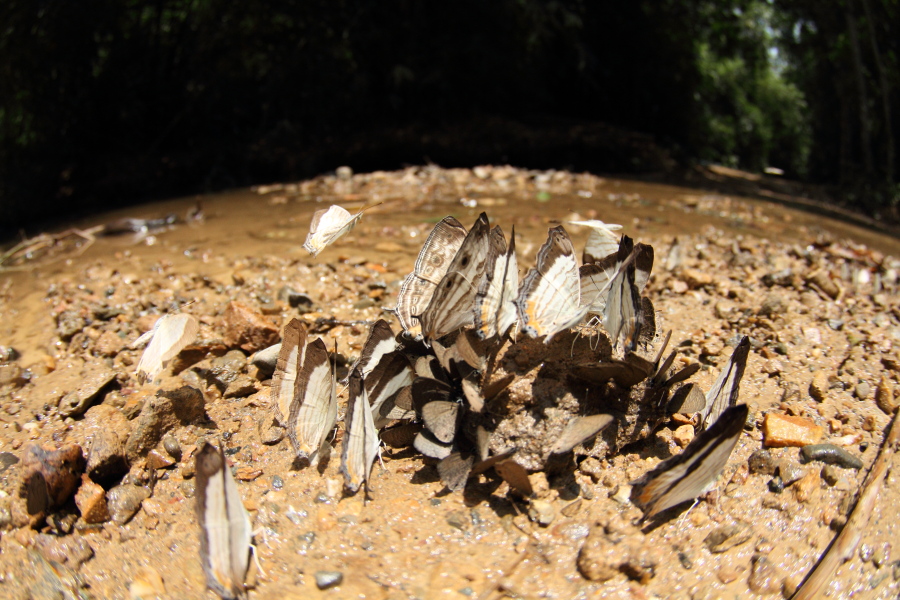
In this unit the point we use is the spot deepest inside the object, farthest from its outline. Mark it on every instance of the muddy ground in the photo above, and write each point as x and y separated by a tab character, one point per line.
817	298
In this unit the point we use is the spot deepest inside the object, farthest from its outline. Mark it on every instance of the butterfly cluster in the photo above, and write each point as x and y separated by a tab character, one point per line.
490	374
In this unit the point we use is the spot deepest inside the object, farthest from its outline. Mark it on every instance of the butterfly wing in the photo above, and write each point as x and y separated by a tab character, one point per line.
724	392
360	439
327	226
313	417
287	367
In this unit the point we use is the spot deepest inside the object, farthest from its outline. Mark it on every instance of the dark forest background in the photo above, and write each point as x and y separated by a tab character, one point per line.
110	102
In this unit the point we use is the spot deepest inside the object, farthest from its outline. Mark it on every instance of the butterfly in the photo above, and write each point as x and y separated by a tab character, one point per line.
329	224
724	392
452	301
225	530
313	411
290	360
432	263
169	336
687	475
601	242
578	430
360	437
549	298
495	300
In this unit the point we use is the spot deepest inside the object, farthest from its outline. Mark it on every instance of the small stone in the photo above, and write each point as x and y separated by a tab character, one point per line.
241	387
784	430
107	430
248	329
542	512
147	582
51	475
863	389
773	305
727	574
866	552
68	323
727	537
93	379
592	467
683	435
171	406
884	396
108	344
277	482
870	423
598	559
831	475
125	500
328	579
824	282
156	460
762	462
696	278
172	447
247	473
91	501
830	454
764	576
789	471
265	359
806	486
818	387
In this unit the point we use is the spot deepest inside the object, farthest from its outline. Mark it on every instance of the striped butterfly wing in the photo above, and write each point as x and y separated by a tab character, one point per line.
725	390
225	530
687	475
495	302
431	265
549	299
314	414
451	305
287	367
360	438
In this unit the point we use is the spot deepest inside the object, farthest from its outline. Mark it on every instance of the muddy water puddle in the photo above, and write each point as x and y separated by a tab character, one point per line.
412	539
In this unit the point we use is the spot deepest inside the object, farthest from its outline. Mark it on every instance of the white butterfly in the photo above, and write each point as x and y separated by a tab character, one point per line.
724	392
549	300
313	410
329	224
432	263
453	300
290	360
495	302
225	530
687	475
169	336
360	438
601	242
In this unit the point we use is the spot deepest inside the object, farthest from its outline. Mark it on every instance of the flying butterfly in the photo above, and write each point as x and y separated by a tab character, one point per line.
329	224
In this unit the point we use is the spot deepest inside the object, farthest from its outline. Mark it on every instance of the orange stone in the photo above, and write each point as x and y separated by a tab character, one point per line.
783	430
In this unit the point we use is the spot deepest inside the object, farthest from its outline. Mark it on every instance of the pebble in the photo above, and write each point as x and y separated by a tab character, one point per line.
50	475
806	486
773	305
125	500
696	278
726	537
328	579
107	429
884	396
7	459
248	329
831	475
68	323
266	359
241	387
93	380
91	501
762	462
824	282
765	577
542	512
784	430
598	558
830	454
156	460
683	435
172	447
863	389
789	471
818	387
170	407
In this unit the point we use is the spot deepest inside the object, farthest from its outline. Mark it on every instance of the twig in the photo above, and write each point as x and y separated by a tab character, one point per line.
844	545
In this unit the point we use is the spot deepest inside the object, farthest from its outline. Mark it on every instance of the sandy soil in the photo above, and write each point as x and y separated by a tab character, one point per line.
820	307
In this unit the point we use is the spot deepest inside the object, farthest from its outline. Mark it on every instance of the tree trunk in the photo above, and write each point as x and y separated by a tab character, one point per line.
885	97
865	136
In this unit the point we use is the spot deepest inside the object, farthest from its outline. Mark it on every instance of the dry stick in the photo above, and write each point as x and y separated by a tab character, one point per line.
844	545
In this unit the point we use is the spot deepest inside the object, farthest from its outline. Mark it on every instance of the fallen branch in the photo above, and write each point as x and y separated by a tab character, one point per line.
844	545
